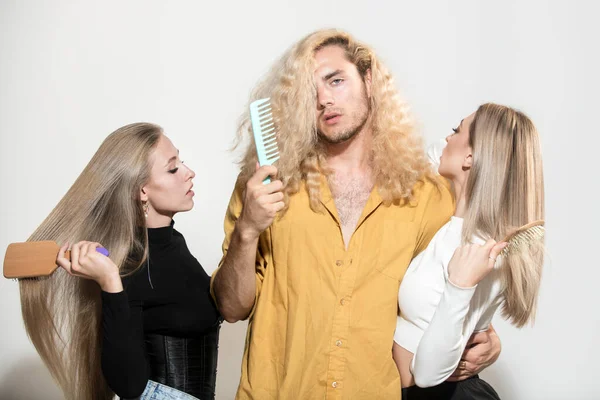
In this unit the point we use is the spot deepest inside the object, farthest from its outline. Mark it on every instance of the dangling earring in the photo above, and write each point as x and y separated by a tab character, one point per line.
145	207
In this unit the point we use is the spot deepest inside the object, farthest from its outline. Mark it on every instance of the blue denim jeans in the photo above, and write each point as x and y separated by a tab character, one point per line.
157	391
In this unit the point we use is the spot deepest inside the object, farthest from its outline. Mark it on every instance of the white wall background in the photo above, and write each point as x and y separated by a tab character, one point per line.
73	71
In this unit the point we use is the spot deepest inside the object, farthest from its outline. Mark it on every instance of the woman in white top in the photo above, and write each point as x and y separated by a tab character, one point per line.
454	287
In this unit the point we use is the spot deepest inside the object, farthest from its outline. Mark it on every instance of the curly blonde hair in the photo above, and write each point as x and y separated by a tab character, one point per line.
397	157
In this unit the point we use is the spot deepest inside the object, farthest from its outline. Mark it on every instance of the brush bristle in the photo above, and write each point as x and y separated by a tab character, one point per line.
524	239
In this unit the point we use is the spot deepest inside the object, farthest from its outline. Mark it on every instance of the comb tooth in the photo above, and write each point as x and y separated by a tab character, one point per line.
268	130
266	121
264	111
266	127
265	117
264	104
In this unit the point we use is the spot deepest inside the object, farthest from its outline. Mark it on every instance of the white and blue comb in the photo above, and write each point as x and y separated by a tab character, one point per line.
263	127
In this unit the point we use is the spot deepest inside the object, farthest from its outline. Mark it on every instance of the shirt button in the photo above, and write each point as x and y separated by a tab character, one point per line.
338	343
339	263
343	302
334	384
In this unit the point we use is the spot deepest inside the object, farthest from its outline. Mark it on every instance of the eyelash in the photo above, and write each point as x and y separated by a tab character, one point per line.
174	170
455	130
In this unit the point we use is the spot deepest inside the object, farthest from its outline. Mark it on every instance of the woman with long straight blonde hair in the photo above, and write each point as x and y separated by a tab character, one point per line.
109	332
454	287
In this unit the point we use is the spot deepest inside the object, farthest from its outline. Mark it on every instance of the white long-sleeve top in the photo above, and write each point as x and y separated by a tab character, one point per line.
436	317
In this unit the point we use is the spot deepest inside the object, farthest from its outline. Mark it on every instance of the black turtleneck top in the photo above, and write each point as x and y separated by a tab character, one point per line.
169	295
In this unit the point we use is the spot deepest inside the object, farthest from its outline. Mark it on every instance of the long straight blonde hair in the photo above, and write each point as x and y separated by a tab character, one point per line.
397	157
505	190
62	313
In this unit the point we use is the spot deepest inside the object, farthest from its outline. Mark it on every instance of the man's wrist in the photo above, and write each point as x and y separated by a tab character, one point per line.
245	233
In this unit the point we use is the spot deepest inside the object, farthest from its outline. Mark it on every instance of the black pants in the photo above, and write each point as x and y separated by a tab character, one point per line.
469	389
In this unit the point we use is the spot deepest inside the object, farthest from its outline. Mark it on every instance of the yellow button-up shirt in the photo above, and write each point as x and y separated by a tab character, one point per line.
323	322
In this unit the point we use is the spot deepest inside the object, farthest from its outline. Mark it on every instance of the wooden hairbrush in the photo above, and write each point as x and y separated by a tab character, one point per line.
524	236
34	259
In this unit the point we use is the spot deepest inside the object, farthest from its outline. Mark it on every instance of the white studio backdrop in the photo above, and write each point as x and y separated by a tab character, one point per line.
71	72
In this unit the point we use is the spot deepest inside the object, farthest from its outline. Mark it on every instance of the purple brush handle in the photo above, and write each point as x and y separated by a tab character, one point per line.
102	250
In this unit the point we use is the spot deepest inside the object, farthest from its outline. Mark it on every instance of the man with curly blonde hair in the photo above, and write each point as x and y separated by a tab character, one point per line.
314	259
